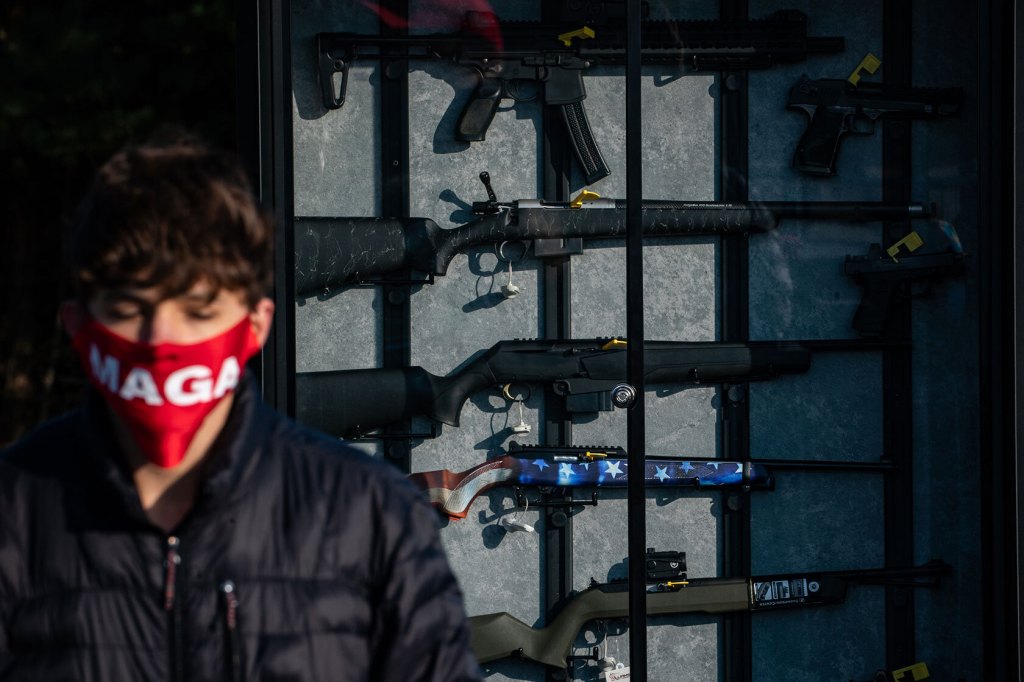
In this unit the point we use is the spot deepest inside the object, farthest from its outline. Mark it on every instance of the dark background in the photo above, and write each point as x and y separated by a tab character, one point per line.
78	82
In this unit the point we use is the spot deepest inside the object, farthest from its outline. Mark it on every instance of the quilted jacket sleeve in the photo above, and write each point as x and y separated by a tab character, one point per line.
422	633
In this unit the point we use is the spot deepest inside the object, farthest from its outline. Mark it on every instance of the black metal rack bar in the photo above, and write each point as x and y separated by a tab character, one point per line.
557	550
897	365
735	326
394	169
999	251
276	190
635	438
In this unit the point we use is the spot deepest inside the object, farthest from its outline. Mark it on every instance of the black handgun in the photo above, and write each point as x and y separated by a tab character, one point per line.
883	277
838	107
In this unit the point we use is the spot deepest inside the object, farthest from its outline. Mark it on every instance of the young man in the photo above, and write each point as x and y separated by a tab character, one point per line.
176	528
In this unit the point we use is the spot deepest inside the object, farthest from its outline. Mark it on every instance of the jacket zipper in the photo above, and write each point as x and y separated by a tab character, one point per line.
172	564
233	653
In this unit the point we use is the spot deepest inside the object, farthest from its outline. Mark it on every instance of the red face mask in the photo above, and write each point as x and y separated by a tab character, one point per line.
163	392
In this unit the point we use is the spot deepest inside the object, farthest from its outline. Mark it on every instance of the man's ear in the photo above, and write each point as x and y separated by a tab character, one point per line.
261	316
72	316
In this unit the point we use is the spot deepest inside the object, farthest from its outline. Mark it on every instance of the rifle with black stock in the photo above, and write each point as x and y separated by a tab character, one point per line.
555	55
585	371
499	635
332	252
578	466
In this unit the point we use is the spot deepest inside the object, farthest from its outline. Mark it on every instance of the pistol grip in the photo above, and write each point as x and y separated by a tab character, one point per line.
476	117
583	143
872	314
819	145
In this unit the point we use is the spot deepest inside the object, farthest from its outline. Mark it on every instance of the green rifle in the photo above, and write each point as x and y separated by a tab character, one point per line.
498	635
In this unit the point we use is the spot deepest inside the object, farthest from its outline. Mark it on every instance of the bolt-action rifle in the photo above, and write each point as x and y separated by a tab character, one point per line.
330	252
498	635
573	467
838	107
555	55
586	372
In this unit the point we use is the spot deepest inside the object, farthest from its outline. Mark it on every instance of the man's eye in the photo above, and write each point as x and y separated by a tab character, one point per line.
123	312
202	314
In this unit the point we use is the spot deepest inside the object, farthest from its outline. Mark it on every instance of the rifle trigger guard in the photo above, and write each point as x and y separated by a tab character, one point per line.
506	392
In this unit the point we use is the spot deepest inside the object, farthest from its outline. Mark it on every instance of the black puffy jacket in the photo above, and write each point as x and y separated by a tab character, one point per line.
302	559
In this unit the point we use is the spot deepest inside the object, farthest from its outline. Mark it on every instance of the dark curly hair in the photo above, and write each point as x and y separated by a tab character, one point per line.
168	213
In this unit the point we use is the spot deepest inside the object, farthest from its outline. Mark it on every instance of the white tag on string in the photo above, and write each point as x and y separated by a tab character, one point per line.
514	525
619	674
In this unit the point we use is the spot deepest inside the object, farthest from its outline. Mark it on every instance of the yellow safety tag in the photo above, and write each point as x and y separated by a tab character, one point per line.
677	583
614	344
912	673
589	456
870	63
585	32
912	241
585	195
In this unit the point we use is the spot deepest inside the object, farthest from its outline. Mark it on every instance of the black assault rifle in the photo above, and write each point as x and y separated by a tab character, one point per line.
331	252
498	635
587	372
555	56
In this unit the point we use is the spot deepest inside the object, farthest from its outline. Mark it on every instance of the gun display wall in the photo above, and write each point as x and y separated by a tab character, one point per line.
809	189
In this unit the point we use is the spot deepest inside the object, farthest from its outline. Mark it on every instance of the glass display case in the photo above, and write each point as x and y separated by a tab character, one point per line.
763	256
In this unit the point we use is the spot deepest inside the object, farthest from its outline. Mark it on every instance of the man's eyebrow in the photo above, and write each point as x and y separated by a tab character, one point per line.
120	295
204	296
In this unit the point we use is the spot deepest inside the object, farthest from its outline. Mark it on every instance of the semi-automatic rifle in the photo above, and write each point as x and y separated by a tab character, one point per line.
586	371
573	467
554	56
498	635
331	252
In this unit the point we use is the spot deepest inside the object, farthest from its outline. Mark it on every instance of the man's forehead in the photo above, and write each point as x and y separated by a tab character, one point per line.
199	291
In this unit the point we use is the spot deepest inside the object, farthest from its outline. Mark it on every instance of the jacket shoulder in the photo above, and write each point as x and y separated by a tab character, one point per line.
336	461
46	451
